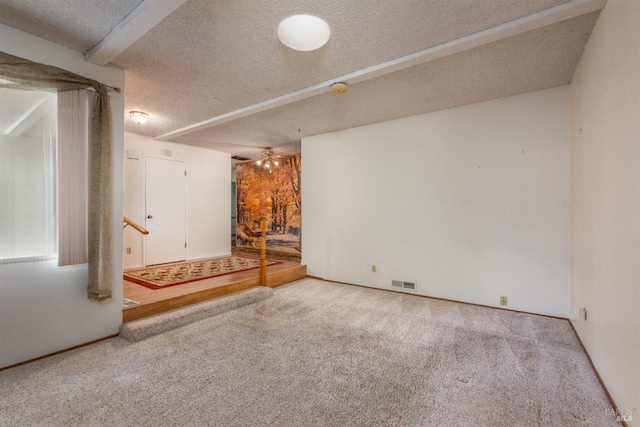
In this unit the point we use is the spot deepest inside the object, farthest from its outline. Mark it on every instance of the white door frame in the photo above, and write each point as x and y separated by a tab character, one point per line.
144	203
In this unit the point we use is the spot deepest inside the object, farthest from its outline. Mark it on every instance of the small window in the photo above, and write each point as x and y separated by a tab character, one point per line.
27	177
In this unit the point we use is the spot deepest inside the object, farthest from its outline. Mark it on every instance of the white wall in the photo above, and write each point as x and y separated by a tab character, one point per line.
471	203
44	308
208	197
605	200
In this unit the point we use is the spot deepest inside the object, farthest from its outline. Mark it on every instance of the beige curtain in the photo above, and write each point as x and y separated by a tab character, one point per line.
25	74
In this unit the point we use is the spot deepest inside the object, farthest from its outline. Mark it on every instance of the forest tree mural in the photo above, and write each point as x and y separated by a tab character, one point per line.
272	194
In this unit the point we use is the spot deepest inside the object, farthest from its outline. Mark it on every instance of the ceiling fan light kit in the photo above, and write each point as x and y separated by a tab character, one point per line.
267	159
304	32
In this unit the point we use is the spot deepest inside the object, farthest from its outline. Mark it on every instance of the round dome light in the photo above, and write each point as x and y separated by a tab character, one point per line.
140	117
304	32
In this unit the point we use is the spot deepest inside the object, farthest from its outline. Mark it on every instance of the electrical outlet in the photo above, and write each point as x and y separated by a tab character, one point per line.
373	268
583	313
503	301
128	251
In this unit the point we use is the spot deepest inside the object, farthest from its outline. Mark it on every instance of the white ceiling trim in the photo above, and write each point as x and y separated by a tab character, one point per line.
143	18
550	16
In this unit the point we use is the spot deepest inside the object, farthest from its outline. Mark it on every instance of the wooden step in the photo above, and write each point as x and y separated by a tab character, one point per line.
162	300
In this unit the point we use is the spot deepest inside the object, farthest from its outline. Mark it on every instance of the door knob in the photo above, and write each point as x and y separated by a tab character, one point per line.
149	216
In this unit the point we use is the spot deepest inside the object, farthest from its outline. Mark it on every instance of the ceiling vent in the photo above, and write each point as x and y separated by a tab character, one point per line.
401	284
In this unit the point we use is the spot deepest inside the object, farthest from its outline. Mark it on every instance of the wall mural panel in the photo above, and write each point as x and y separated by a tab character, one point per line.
273	194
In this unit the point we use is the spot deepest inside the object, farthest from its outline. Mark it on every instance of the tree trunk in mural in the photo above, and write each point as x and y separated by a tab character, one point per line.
284	219
273	194
294	177
274	210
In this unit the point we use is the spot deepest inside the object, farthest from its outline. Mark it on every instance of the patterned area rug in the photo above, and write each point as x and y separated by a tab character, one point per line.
162	276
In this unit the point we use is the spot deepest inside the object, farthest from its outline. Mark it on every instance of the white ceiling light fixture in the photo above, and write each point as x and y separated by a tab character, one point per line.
140	117
304	32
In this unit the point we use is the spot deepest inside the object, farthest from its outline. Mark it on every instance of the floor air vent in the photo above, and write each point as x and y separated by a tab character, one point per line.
407	286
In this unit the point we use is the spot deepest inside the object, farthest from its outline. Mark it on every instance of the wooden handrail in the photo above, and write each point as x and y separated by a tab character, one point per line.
129	221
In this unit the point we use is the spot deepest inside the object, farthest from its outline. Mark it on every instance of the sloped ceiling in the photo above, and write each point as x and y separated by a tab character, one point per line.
209	60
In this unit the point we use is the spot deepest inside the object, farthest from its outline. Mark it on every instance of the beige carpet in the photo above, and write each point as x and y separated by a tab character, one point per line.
321	354
153	325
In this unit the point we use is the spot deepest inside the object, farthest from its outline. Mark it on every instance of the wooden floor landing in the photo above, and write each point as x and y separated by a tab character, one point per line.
161	300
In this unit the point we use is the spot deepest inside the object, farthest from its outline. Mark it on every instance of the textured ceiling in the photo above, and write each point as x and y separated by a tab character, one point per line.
535	60
76	24
223	56
211	58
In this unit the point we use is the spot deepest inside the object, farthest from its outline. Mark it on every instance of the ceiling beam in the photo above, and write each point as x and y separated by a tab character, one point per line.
541	19
143	18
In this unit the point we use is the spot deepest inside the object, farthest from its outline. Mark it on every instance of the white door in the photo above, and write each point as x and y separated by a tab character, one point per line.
165	210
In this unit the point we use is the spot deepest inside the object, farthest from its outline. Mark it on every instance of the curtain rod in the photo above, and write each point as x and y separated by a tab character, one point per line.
113	88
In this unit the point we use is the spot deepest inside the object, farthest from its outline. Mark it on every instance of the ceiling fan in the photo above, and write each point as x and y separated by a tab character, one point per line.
268	159
243	153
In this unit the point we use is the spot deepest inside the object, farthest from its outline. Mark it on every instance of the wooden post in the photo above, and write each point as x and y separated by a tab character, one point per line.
263	252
